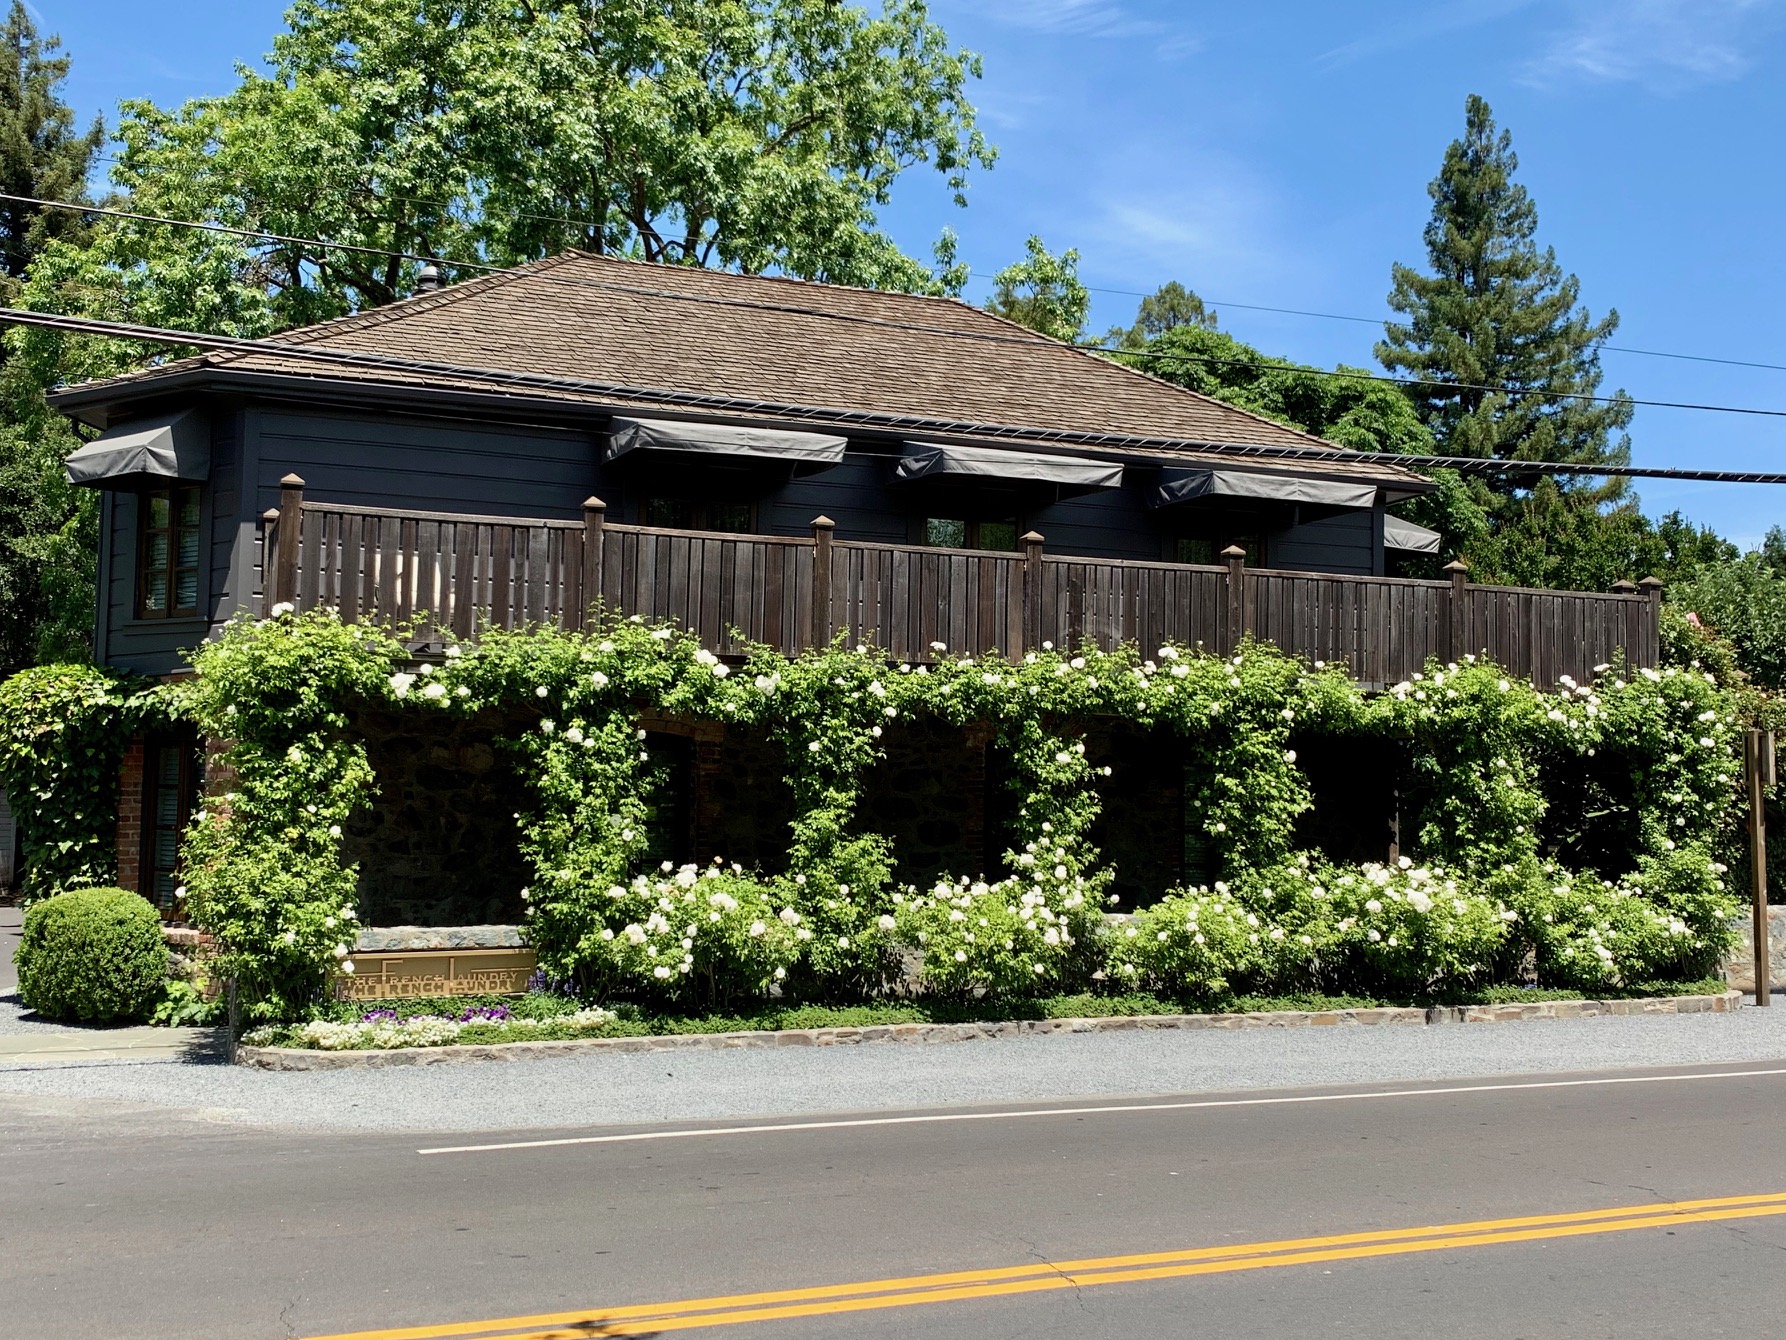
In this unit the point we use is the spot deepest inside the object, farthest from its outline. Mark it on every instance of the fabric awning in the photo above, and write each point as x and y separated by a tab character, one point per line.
811	451
169	447
1409	538
938	460
1180	484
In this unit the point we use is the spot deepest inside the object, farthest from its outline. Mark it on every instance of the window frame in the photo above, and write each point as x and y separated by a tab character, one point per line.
700	512
173	568
187	782
972	533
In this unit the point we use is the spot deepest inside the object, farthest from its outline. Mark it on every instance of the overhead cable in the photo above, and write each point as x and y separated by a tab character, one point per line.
988	337
515	383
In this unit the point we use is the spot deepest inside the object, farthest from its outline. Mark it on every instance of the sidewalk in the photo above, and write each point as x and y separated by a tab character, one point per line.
25	1040
52	1045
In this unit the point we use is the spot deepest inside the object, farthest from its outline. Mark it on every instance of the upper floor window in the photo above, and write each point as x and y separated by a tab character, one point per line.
950	533
167	568
682	514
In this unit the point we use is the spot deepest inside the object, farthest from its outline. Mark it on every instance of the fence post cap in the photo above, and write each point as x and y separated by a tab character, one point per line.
1624	586
291	482
1233	551
1033	537
1457	565
823	522
271	514
594	504
1651	583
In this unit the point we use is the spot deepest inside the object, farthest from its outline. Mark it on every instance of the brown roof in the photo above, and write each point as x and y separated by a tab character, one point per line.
789	342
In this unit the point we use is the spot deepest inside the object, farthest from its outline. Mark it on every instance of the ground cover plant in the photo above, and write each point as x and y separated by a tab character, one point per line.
1484	896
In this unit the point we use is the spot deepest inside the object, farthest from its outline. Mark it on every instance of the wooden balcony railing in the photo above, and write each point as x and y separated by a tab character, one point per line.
463	573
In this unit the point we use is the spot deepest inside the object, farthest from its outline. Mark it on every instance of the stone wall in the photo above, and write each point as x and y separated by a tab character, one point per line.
930	796
1739	967
1141	831
438	845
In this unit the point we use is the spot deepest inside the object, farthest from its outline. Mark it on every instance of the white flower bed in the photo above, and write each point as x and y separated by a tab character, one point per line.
423	1030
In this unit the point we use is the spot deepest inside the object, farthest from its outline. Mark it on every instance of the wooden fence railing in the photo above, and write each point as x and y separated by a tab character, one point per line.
462	573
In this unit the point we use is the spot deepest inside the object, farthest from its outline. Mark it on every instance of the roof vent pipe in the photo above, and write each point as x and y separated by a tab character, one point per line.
427	279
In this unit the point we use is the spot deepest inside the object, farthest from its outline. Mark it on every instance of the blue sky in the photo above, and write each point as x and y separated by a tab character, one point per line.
1277	155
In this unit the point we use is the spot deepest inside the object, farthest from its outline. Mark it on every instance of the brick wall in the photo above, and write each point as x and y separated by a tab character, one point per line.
130	815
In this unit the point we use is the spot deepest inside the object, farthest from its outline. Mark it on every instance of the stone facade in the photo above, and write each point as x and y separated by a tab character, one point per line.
438	846
1739	967
930	795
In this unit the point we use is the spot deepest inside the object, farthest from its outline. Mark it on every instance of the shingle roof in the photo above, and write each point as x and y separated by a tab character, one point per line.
790	342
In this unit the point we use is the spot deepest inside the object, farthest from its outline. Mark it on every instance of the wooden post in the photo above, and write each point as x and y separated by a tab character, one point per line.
1235	557
1624	588
269	541
291	528
822	527
1032	592
595	513
1652	638
1458	615
1757	756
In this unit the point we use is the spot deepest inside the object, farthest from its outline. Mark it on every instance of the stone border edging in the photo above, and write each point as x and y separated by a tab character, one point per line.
297	1058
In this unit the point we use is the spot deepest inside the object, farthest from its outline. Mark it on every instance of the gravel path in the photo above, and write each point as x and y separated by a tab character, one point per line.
652	1087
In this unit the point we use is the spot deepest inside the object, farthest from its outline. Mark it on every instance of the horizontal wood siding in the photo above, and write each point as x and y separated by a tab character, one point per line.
458	574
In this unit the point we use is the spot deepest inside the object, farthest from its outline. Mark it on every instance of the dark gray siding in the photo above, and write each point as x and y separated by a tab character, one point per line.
1351	542
1110	523
432	465
859	495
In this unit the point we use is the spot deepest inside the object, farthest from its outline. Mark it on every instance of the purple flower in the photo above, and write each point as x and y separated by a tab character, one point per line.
492	1014
379	1017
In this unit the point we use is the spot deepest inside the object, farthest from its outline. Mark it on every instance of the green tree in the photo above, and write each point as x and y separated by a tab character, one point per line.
1744	601
1166	308
751	134
1360	412
1496	312
1043	291
47	529
41	153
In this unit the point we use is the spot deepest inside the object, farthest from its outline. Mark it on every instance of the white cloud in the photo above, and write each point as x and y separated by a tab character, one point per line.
1417	27
1091	18
1205	219
1663	44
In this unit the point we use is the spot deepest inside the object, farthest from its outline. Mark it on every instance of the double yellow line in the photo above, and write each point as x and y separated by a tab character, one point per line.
1007	1281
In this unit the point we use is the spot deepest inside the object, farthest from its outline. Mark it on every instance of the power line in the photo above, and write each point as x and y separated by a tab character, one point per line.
976	274
514	382
1380	321
1029	340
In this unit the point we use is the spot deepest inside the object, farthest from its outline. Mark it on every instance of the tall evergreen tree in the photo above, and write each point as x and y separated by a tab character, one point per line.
1498	325
41	154
48	530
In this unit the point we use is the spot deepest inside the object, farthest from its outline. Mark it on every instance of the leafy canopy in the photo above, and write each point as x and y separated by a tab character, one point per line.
47	529
751	134
1166	308
1043	291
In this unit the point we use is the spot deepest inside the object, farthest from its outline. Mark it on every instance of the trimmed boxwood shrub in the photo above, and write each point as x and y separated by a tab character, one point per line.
93	955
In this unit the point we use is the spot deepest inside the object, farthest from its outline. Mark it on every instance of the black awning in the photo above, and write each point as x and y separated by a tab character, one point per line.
166	448
1179	484
938	460
1409	538
810	451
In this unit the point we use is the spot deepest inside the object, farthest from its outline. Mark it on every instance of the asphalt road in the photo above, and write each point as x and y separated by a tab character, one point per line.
141	1222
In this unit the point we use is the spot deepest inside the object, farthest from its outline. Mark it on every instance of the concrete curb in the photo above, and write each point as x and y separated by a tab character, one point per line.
294	1058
